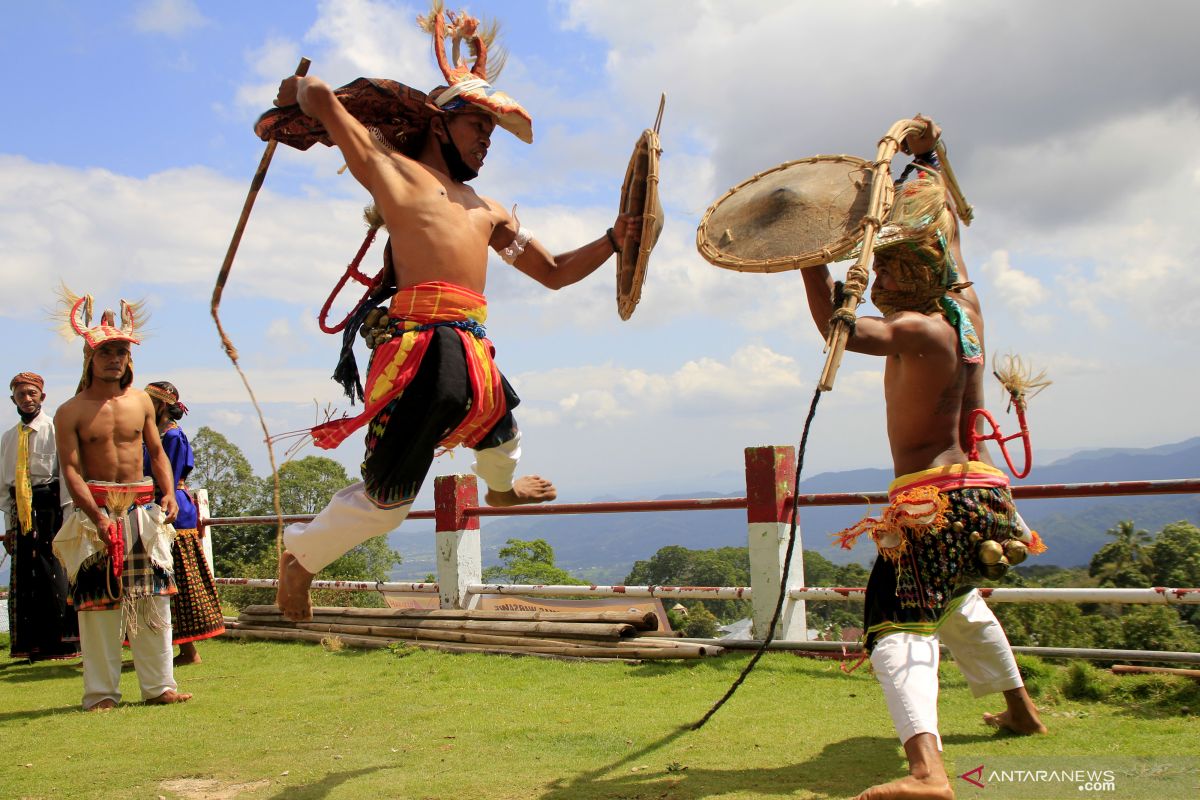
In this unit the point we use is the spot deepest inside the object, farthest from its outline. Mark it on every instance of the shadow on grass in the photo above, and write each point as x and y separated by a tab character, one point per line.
28	671
37	713
322	788
841	769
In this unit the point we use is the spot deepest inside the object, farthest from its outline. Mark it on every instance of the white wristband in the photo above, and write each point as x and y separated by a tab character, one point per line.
514	250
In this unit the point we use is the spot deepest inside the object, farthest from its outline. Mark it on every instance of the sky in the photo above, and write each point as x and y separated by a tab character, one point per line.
127	152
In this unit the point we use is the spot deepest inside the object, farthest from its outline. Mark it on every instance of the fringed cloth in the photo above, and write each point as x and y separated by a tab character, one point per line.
127	563
414	313
927	558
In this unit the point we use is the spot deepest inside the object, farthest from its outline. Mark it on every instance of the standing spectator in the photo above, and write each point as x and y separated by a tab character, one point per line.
41	623
116	544
195	609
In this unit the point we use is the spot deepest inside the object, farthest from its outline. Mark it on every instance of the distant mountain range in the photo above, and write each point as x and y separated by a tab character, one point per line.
603	547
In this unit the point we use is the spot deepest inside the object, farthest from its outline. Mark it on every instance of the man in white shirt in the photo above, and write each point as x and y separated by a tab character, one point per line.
41	623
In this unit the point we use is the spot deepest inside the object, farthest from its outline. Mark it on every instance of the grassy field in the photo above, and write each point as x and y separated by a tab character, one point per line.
284	720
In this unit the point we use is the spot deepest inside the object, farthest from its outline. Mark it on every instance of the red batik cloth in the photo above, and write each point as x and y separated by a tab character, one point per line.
415	312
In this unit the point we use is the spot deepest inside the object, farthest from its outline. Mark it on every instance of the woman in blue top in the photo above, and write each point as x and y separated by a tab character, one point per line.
195	609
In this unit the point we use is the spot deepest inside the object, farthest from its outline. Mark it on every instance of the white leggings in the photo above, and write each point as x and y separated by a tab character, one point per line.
100	638
906	665
351	518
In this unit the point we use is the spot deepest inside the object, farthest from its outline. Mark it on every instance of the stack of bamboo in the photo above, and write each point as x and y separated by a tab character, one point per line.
627	636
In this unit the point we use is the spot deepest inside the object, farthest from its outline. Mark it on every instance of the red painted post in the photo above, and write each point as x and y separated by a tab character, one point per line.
459	554
770	476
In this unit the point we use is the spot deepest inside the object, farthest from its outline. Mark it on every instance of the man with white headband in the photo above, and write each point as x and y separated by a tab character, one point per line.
431	382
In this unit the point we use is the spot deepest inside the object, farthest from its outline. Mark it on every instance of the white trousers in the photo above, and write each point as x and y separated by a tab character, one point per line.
351	518
100	639
906	665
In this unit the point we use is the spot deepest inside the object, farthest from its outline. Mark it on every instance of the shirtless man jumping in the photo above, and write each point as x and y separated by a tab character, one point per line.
920	591
432	381
116	544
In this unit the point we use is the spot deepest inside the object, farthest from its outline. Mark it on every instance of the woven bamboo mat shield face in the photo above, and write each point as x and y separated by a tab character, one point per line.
798	214
639	197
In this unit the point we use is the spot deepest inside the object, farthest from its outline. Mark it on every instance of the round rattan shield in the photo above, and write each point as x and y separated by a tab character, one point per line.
798	214
639	197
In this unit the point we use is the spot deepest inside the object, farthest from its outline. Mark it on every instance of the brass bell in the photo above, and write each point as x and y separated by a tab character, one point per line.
990	552
1015	551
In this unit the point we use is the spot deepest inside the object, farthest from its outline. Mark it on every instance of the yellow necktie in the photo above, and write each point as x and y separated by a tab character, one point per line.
24	489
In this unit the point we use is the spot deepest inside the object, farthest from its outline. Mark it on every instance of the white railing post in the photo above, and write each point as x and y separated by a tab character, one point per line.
459	555
770	475
202	526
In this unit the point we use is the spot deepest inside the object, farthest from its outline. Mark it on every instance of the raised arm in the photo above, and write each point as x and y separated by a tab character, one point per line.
362	152
874	336
160	466
557	271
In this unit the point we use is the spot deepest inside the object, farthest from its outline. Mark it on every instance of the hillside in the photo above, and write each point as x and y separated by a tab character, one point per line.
603	547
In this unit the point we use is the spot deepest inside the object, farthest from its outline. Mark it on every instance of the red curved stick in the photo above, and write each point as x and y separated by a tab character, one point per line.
1000	439
351	272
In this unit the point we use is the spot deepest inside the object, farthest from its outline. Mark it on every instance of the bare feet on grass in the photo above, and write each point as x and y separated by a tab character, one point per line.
169	697
104	705
933	787
526	490
1021	716
291	595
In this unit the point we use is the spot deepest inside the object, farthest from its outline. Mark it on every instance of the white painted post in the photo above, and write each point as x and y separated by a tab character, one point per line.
770	475
459	554
202	517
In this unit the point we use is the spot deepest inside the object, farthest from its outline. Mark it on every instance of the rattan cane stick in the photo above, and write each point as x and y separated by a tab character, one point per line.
857	277
255	184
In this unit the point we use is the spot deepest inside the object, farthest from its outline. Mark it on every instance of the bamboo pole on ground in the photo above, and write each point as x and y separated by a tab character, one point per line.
619	650
599	630
641	621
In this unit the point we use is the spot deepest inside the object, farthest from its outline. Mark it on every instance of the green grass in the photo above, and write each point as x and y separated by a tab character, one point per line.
283	720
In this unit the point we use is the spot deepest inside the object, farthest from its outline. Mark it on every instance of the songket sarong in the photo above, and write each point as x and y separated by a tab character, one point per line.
131	561
926	562
41	622
433	384
195	608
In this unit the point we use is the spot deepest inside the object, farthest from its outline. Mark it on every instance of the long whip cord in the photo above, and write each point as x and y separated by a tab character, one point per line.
787	564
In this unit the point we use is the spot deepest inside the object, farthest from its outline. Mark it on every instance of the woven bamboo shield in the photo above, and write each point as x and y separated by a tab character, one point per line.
639	197
798	214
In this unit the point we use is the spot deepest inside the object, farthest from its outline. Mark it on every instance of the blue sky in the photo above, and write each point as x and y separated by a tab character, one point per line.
127	152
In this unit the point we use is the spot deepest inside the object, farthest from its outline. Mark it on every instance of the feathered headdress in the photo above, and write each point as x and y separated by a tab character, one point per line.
75	317
472	85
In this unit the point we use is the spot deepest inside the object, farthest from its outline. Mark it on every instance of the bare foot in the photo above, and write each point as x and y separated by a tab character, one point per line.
933	787
1014	723
104	705
187	655
168	697
292	593
526	490
1020	716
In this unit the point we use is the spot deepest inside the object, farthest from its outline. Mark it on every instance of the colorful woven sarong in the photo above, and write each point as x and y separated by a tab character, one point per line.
415	312
195	608
107	571
927	556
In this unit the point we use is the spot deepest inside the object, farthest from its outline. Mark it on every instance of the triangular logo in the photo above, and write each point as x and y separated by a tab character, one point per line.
977	780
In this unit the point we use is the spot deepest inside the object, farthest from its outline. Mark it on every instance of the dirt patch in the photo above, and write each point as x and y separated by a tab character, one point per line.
211	788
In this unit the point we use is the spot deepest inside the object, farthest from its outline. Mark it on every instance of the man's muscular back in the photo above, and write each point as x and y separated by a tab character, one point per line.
108	433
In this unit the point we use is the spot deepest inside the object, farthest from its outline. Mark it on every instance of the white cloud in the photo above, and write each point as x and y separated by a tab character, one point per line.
170	17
